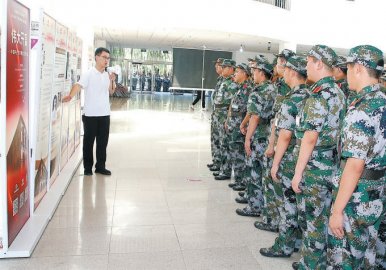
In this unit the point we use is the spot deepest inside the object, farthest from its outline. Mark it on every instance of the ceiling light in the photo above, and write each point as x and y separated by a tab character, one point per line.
241	48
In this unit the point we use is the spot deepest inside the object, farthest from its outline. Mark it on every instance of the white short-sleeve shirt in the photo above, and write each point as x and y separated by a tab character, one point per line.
96	92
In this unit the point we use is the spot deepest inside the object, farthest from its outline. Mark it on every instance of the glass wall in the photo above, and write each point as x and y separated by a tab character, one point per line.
143	70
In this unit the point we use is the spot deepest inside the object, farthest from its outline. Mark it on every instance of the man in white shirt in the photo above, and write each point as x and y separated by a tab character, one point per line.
97	85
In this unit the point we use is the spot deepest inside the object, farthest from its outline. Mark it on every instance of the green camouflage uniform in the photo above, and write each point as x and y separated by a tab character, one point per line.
364	137
260	103
273	196
237	112
323	113
289	231
214	133
222	101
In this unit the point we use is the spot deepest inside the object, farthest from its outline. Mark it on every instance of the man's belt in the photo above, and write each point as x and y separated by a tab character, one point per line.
219	106
367	174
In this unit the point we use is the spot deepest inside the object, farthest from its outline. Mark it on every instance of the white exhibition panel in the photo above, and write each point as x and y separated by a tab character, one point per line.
31	47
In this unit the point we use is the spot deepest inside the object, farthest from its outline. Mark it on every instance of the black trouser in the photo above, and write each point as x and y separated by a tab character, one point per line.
199	93
95	127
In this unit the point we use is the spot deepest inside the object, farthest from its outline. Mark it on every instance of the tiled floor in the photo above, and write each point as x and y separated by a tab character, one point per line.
161	208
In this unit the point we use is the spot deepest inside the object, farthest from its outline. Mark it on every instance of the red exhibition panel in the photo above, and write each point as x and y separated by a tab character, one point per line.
17	89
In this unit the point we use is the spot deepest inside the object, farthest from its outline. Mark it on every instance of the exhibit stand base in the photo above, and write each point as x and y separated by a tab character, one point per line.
29	236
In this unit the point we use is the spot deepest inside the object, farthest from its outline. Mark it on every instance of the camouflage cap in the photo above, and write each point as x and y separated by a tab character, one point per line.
286	53
266	66
324	54
228	63
245	67
251	59
366	55
298	64
261	59
218	61
341	61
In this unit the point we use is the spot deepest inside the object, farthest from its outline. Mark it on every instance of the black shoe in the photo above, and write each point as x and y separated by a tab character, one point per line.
241	193
231	185
87	172
241	200
214	169
239	188
265	227
210	165
247	212
295	265
222	177
269	252
216	173
103	171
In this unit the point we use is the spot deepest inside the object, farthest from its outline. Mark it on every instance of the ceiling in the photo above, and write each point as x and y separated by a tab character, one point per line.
165	39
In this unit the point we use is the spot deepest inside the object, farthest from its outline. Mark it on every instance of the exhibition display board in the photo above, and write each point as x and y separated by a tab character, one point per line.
40	148
17	116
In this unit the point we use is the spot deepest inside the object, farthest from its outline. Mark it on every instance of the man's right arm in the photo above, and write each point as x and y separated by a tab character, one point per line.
74	90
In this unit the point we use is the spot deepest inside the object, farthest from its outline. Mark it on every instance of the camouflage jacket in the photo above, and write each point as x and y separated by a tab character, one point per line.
218	84
226	91
364	128
323	112
238	110
291	106
240	99
282	90
260	103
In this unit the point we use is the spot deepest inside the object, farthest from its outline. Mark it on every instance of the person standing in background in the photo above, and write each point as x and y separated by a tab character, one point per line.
97	85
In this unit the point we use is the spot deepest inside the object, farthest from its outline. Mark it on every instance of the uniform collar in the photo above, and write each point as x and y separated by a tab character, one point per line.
97	71
366	90
319	85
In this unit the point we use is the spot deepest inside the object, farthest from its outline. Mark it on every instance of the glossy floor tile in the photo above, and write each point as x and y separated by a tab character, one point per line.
160	209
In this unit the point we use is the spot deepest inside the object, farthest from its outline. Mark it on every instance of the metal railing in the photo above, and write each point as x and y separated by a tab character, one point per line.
284	4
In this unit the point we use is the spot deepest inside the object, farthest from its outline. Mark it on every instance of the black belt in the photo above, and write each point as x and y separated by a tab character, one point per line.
218	106
367	174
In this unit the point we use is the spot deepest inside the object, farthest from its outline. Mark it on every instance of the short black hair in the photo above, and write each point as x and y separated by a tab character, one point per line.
99	50
373	73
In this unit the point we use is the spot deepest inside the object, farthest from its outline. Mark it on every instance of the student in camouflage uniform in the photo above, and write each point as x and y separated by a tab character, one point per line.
260	104
222	101
214	136
273	196
236	114
284	161
318	132
340	75
360	184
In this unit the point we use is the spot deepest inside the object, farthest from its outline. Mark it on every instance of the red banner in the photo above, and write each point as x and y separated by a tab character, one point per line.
18	36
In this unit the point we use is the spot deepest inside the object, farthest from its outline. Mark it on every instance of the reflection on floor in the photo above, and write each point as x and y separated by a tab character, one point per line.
160	209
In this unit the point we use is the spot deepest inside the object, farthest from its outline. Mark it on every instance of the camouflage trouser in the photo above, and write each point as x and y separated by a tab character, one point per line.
289	231
381	242
273	196
224	136
363	215
253	176
236	146
314	208
215	139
